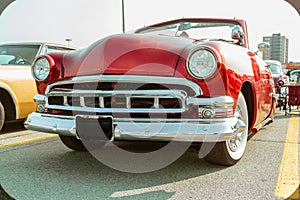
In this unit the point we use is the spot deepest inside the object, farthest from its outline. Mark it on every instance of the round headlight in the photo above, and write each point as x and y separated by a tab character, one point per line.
202	64
41	69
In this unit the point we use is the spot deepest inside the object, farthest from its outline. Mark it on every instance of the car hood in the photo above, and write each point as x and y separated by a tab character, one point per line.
132	54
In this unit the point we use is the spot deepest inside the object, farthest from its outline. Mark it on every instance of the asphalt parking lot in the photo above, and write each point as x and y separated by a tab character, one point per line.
37	166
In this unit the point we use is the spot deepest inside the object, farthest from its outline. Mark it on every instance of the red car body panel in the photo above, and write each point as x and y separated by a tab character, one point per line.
125	54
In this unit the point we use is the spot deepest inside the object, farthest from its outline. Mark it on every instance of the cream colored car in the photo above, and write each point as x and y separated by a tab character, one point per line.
17	87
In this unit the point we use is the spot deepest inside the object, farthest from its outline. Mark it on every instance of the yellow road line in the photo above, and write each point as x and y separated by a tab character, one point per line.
27	141
288	177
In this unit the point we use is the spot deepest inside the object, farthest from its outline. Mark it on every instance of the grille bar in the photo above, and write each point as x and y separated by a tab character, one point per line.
115	110
103	93
124	79
117	101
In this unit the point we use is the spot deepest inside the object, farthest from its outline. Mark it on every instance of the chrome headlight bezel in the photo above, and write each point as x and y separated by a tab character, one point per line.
40	69
202	63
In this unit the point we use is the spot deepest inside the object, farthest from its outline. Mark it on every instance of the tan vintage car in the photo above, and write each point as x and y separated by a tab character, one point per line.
17	86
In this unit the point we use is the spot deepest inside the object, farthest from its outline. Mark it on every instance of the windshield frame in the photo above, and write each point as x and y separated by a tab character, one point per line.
238	22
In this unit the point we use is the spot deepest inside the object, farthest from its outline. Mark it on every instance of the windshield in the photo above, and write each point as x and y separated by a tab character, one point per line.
201	30
275	69
18	54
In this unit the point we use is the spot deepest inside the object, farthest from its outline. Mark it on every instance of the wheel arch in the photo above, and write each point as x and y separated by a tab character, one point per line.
247	91
8	100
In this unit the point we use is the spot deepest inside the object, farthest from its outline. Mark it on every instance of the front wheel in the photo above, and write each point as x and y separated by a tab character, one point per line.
72	143
231	151
82	145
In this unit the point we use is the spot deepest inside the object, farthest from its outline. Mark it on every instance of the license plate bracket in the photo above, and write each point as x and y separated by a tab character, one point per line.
94	127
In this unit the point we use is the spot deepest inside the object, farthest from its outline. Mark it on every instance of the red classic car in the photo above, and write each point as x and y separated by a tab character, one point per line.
191	79
279	78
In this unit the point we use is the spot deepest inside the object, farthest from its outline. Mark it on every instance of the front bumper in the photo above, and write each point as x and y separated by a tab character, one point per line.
198	130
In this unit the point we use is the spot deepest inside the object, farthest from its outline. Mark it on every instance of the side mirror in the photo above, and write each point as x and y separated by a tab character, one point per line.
262	47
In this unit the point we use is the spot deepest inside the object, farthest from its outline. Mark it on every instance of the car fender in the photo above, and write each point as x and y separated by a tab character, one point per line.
6	88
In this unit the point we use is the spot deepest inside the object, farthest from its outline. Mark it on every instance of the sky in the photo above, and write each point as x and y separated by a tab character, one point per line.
86	21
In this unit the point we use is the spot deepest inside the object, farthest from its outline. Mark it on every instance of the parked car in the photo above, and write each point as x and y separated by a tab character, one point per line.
279	78
294	76
191	78
17	86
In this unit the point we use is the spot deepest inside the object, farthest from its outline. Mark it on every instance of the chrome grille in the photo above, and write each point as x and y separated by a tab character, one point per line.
118	101
130	95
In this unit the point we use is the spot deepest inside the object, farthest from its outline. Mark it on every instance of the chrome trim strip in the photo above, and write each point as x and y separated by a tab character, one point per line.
131	93
65	100
81	99
169	120
39	99
131	79
224	101
101	102
128	102
115	110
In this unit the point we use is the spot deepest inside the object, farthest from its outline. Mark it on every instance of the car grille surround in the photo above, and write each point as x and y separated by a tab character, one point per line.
134	95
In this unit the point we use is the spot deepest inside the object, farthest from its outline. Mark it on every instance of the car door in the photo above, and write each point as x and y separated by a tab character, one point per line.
265	91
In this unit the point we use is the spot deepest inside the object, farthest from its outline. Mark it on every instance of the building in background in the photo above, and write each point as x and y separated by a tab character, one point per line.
292	66
279	48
